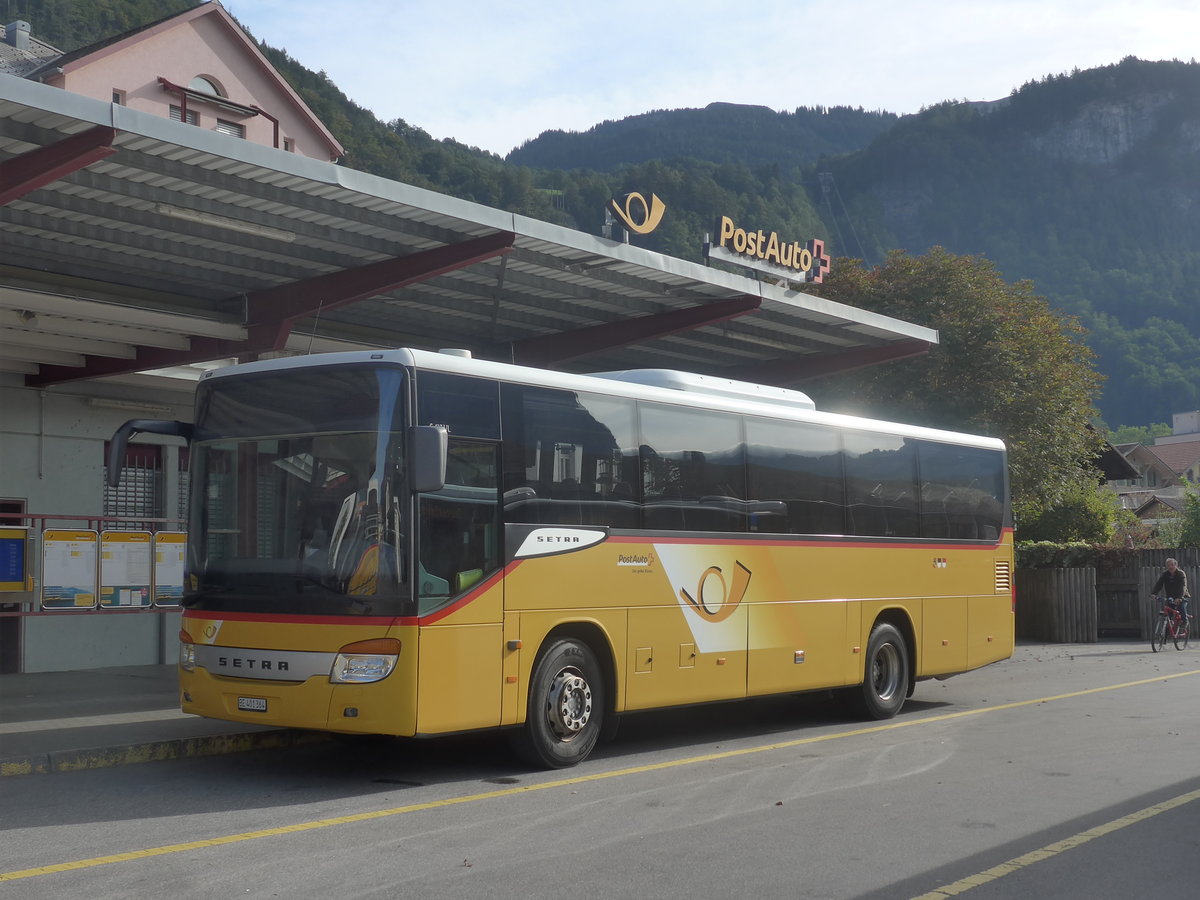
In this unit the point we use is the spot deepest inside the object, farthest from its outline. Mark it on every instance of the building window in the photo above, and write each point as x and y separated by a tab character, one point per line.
140	491
205	86
289	145
235	129
177	115
184	482
118	97
11	512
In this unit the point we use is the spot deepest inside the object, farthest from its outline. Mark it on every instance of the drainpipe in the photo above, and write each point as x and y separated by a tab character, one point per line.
274	121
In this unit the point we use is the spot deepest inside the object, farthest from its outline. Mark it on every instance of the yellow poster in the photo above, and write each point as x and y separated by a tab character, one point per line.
124	569
68	569
170	548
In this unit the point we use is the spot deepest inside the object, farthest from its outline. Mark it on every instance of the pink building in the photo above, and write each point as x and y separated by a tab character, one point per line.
198	66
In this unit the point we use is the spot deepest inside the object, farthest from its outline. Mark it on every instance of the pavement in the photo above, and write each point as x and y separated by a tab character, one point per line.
66	721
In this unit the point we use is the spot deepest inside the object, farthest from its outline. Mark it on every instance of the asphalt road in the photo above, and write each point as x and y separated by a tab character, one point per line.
1068	771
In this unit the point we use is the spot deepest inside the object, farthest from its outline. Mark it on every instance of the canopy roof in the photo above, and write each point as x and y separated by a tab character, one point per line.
133	242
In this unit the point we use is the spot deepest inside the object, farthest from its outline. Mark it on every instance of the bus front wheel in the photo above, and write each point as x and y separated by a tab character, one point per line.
566	707
885	678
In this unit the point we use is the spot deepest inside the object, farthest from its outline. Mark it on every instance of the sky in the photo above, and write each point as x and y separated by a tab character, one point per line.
496	74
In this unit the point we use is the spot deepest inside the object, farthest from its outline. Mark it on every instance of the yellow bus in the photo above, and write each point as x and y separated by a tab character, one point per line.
413	543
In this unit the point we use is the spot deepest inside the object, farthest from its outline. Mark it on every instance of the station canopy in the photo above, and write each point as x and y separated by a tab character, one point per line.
135	243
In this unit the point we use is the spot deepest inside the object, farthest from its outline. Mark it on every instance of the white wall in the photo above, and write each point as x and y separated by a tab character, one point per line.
52	457
65	643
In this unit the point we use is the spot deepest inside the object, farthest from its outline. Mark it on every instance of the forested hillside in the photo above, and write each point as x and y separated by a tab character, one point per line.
721	132
1086	184
70	24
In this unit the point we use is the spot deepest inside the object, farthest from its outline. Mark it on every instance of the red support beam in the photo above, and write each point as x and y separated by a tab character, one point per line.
805	368
38	168
549	349
273	311
201	349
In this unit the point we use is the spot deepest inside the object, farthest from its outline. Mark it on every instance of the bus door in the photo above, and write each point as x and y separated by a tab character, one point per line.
460	593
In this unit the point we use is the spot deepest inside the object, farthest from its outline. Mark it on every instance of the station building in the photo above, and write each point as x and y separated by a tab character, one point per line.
169	204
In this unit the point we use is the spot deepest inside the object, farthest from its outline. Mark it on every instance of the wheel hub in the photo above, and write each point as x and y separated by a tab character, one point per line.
570	703
885	672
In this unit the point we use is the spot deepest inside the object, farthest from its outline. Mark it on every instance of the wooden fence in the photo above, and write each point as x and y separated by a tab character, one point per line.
1083	605
1057	605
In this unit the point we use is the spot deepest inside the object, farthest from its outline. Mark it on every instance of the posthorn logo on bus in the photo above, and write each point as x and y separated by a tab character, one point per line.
719	604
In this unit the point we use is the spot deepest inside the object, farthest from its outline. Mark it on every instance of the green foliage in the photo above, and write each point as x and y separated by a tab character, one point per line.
1189	518
1054	555
1085	512
720	132
1139	434
1006	365
70	24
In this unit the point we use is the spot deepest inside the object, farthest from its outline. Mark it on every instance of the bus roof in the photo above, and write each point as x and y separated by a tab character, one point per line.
663	385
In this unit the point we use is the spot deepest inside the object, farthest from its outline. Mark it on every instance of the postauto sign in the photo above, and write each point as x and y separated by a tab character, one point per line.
767	252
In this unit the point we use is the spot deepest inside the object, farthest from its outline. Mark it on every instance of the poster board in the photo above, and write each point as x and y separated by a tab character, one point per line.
125	569
69	579
170	548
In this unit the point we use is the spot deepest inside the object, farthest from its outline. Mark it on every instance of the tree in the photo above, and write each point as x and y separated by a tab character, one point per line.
1006	365
1085	512
1139	434
1189	525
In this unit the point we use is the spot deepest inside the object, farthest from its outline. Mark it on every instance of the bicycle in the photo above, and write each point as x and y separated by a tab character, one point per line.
1169	624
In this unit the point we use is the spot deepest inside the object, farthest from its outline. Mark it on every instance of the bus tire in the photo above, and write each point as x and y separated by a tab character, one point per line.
885	676
566	707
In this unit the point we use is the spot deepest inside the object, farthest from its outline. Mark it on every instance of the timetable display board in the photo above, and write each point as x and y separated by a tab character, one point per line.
14	556
69	571
170	548
125	569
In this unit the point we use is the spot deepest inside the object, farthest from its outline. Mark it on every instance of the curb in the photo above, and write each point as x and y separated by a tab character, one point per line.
154	751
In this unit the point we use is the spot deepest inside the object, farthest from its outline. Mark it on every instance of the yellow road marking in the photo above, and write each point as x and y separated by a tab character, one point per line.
1027	859
564	782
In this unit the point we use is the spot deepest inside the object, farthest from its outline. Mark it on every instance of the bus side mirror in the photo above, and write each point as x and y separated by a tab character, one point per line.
120	440
427	457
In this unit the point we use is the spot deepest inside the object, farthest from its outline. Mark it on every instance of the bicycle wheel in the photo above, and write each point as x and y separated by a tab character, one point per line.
1158	639
1180	636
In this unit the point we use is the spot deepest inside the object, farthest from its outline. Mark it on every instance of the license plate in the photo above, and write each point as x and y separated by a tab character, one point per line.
253	704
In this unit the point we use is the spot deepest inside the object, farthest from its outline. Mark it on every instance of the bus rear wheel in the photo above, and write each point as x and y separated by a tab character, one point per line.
566	707
885	681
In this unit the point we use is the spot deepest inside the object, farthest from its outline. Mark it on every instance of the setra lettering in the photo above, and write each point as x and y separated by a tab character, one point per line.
249	662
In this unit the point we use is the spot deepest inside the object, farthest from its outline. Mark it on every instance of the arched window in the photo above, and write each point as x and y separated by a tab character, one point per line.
205	85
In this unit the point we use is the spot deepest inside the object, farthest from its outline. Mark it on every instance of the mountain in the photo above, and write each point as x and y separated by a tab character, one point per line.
720	133
1088	185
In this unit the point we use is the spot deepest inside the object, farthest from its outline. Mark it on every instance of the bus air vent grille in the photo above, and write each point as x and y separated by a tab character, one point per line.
1003	576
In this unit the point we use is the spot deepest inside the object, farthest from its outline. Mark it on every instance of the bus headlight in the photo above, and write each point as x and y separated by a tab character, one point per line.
187	652
365	661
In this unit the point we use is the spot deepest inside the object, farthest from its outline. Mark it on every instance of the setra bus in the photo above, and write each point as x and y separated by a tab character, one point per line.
413	543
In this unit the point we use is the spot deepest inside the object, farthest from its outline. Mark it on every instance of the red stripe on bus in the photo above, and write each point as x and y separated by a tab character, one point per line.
458	604
298	620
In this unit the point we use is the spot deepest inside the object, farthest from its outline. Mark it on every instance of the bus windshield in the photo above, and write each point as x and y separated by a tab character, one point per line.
296	487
